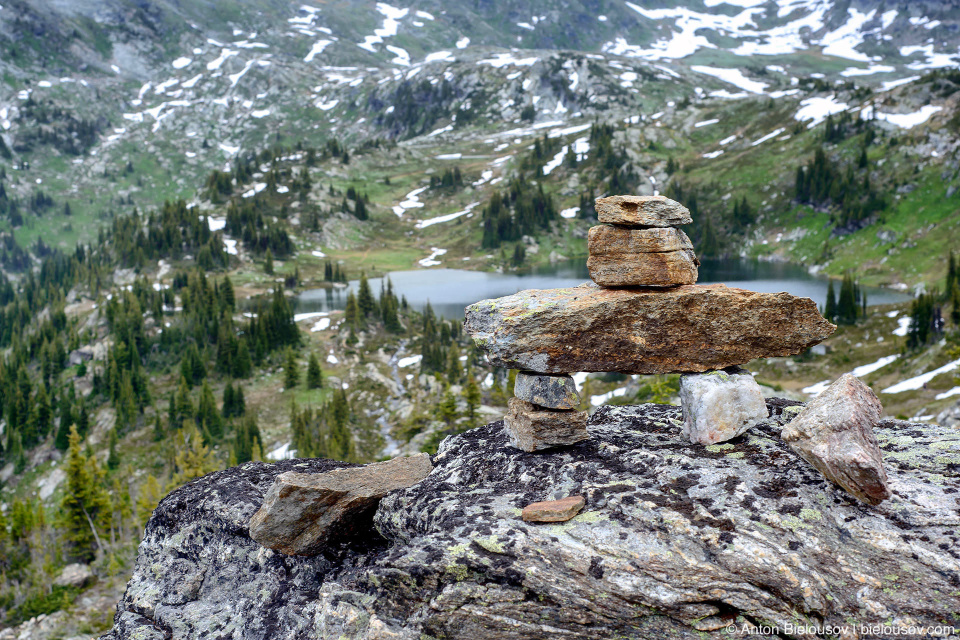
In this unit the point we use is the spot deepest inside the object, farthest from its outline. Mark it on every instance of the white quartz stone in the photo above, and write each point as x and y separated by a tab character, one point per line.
719	406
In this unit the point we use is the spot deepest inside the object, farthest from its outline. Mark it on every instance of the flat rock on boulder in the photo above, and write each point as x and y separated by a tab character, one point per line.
552	392
534	428
834	433
720	405
644	211
553	510
692	328
303	511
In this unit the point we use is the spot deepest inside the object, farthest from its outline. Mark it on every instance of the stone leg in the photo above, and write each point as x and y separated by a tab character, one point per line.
719	406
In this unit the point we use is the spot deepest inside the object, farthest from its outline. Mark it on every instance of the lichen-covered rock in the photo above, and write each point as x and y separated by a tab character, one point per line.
690	328
834	433
553	392
302	512
644	211
720	405
533	428
674	538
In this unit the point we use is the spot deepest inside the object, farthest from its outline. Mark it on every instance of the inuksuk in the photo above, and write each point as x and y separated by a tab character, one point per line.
643	314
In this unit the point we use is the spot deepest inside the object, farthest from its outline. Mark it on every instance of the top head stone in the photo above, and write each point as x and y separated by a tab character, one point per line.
643	211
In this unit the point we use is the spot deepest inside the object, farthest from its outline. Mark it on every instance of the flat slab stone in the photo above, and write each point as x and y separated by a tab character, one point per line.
644	211
719	406
533	428
644	269
608	239
302	512
834	433
553	510
691	328
552	392
656	257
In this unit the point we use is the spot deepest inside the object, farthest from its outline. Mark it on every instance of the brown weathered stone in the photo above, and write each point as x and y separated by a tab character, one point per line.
610	240
553	510
656	257
302	512
552	392
533	428
834	433
644	269
644	211
690	328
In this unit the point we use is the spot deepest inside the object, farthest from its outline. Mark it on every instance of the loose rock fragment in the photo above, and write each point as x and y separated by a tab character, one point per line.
552	392
533	428
834	433
719	406
553	510
75	575
690	328
302	512
645	211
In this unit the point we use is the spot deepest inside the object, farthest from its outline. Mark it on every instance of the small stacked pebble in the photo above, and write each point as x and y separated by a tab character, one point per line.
640	246
544	413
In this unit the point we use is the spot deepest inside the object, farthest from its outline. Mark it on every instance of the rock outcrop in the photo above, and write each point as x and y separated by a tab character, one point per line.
675	542
691	328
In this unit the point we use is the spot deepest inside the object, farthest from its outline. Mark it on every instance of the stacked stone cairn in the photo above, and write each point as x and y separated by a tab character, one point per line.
644	314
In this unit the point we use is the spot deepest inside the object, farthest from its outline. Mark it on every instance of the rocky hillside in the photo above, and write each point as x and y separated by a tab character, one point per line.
137	103
675	541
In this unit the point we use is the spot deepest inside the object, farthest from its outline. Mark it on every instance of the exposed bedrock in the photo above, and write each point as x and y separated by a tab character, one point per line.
673	538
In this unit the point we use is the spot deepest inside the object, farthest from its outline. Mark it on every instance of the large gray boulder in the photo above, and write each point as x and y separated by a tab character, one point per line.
674	538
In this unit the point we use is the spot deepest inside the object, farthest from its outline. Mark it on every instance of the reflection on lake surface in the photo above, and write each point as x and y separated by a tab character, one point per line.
450	290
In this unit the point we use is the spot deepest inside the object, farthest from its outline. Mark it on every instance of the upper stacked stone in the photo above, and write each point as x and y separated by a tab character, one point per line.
639	244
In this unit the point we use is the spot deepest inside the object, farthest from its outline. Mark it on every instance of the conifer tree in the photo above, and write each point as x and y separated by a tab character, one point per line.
351	312
955	304
268	262
365	301
192	458
113	459
447	409
148	499
85	508
314	375
239	402
473	396
208	417
291	371
339	443
830	310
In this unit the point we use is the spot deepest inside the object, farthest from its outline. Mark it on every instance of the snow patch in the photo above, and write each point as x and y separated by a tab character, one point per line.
431	260
912	384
